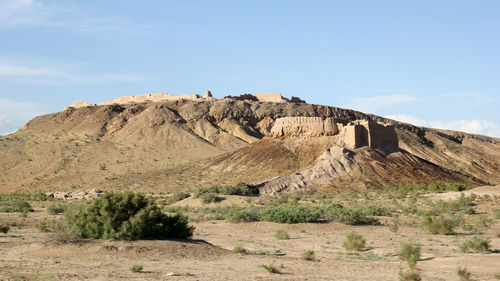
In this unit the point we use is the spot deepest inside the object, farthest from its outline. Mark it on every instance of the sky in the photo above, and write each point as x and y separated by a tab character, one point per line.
429	63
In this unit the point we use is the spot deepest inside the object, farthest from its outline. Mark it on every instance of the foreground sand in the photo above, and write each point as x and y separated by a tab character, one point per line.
28	254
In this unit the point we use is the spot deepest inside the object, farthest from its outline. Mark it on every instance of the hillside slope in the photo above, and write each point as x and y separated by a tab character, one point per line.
184	145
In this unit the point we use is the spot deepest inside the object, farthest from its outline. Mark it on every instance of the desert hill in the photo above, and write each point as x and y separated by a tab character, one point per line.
184	144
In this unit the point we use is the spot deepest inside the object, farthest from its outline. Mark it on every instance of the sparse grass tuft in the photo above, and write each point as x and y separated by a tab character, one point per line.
136	268
239	250
476	244
4	228
410	252
271	268
409	275
177	197
309	255
281	234
208	198
464	274
56	209
394	226
439	225
354	242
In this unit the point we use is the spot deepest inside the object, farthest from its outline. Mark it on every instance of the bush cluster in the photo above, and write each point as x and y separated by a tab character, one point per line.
15	206
354	242
289	213
177	197
476	244
439	225
410	252
126	215
239	189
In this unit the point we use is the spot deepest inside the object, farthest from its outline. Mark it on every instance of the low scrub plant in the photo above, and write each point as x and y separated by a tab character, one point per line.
136	268
56	209
476	244
208	198
439	225
271	268
496	214
15	206
238	189
354	242
309	255
394	226
126	215
239	250
409	275
4	228
410	252
464	274
177	197
281	234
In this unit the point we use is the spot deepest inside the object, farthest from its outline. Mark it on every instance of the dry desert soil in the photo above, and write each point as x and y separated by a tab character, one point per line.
28	253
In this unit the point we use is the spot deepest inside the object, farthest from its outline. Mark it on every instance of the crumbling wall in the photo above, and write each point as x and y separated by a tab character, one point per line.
158	97
305	126
382	135
270	97
368	133
79	103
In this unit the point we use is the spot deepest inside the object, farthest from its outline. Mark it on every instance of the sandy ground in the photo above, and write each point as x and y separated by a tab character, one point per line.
480	191
28	253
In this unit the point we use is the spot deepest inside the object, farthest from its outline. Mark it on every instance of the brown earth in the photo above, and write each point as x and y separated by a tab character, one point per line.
29	254
184	145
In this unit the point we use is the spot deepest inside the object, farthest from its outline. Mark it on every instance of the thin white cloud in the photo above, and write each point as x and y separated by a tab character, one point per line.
375	103
475	126
31	13
46	73
13	114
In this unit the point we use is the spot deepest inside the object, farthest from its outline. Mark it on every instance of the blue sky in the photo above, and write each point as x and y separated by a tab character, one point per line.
431	63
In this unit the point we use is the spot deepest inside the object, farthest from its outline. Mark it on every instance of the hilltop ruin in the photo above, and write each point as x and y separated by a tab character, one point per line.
159	97
353	134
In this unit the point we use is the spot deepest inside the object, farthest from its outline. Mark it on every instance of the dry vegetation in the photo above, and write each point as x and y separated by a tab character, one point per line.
393	233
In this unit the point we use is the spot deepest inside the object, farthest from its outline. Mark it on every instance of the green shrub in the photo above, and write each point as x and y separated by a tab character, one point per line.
15	206
243	215
343	215
136	268
476	244
496	214
309	255
410	252
46	225
56	209
464	274
281	234
409	275
4	228
290	214
439	225
208	198
177	197
239	250
394	225
354	242
126	215
239	189
271	268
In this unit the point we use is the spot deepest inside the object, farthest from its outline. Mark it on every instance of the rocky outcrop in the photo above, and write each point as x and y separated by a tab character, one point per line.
306	126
